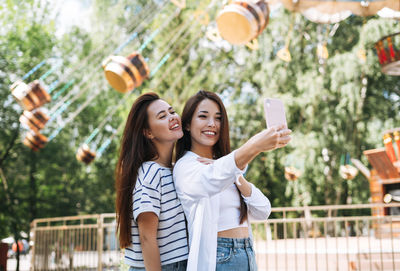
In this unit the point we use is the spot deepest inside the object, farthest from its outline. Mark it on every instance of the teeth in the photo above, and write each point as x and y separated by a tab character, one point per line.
209	133
175	126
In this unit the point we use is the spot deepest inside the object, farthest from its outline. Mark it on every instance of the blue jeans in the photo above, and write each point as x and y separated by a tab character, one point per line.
235	254
178	266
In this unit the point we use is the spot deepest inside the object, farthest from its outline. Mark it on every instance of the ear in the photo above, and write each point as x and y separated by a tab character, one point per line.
187	128
147	133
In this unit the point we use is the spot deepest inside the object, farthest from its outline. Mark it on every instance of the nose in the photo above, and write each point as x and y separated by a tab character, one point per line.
211	122
172	117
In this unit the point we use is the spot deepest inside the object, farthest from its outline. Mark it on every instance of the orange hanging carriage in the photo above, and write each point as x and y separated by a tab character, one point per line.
84	154
35	120
242	21
126	73
30	96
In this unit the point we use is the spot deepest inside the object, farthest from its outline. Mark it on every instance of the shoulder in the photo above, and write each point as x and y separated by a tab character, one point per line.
188	158
186	164
150	173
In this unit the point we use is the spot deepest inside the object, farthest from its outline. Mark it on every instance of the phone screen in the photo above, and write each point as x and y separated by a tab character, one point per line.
274	112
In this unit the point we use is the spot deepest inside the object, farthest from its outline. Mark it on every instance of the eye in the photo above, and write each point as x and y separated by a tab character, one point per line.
218	118
172	112
162	116
202	116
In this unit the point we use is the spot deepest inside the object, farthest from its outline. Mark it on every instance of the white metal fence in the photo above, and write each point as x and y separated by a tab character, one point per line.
343	237
75	243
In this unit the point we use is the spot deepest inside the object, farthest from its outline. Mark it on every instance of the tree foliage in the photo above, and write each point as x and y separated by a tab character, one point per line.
327	108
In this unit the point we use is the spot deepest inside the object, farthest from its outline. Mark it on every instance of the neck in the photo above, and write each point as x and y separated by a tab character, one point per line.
206	152
164	153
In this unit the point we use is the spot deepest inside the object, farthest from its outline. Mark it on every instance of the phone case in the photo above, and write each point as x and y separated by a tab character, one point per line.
274	112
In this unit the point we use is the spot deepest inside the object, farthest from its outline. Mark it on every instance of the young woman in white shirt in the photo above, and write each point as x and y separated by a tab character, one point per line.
150	218
217	200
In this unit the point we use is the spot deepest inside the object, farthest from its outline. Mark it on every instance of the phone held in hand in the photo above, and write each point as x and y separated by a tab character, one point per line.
274	112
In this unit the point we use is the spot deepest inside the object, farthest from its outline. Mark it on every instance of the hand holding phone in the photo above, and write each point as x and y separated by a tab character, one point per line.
274	112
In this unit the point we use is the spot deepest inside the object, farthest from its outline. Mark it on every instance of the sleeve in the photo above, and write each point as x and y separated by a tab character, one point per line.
195	180
147	195
258	205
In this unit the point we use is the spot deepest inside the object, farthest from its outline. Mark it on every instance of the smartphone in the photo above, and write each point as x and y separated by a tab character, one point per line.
274	112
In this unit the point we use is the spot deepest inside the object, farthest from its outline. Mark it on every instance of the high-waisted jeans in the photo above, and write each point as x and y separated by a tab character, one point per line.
235	254
178	266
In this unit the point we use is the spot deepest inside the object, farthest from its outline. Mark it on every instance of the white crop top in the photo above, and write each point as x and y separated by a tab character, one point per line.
229	209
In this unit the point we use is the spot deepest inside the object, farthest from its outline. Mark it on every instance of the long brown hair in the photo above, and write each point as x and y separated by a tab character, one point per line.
223	145
135	149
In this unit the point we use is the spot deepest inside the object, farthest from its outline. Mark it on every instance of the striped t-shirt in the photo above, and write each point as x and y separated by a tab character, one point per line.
155	192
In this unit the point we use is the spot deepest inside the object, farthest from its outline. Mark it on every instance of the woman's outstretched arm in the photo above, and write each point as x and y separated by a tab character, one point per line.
266	140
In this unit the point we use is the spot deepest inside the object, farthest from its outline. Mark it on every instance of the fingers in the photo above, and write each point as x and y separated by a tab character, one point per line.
280	127
285	132
282	130
283	141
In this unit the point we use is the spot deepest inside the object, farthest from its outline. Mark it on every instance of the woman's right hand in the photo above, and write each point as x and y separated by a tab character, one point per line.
271	139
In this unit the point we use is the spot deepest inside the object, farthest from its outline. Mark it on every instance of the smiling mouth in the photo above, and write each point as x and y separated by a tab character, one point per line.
174	127
209	133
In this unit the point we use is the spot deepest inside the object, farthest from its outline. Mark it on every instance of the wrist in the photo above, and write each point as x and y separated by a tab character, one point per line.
251	149
244	155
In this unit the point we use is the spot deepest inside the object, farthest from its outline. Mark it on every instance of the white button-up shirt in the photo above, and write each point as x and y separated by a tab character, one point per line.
198	187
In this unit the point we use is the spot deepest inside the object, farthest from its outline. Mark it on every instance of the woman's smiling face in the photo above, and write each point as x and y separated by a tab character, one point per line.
164	123
205	125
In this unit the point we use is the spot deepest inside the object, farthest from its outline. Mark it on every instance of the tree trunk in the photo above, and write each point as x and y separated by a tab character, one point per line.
10	145
33	187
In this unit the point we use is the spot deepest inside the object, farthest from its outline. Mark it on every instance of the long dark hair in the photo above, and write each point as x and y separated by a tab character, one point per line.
221	148
135	149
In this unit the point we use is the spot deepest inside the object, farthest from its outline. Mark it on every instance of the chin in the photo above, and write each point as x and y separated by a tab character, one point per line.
209	144
179	137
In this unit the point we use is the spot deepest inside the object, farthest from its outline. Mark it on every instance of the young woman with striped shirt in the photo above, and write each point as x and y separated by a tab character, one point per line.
150	218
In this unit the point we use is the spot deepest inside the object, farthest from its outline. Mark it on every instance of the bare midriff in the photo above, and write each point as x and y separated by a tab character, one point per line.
239	232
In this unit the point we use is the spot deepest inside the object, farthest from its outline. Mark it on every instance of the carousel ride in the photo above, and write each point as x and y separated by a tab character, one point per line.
238	22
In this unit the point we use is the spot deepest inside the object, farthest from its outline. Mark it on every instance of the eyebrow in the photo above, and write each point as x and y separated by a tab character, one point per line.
163	111
204	111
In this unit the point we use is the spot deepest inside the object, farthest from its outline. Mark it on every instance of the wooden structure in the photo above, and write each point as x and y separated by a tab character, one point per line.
384	182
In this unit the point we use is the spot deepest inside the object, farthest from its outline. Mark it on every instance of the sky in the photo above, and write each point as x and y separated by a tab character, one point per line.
73	12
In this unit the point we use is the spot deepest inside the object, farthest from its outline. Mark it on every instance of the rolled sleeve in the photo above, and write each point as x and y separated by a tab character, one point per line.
258	204
196	180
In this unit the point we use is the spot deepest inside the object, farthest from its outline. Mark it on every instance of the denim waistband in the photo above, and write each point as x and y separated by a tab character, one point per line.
234	242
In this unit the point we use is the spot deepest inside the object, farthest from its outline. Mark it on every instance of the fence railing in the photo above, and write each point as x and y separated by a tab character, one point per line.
341	237
75	243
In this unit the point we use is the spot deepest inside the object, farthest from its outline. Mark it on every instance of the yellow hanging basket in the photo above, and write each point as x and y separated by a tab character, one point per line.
30	96
126	73
242	21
